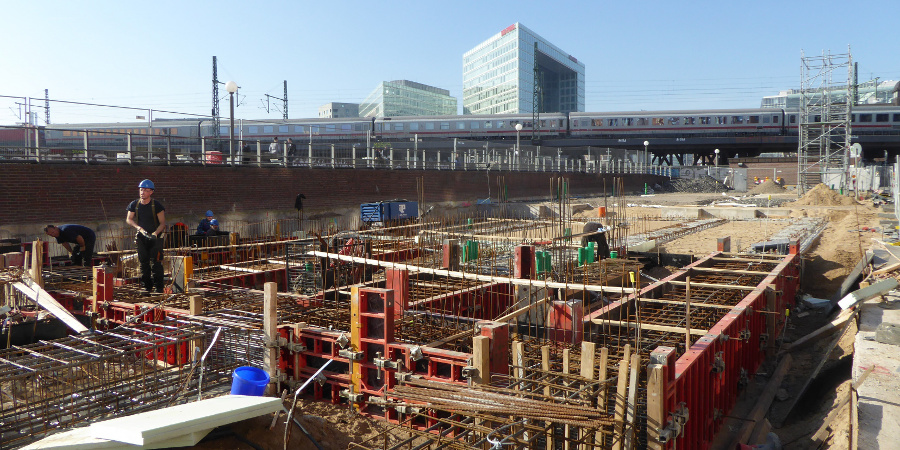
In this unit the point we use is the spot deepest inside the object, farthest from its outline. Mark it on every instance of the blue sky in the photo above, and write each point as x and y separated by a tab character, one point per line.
650	55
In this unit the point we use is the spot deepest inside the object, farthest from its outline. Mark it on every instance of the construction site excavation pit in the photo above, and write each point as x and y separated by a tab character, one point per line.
547	325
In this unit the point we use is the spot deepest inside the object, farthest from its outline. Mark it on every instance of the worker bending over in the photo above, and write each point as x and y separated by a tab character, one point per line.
82	237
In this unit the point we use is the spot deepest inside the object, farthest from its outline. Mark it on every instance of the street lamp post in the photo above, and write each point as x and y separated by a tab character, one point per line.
231	87
518	129
646	145
717	157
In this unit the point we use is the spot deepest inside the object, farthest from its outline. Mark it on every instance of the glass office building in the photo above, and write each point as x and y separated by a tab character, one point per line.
498	75
407	98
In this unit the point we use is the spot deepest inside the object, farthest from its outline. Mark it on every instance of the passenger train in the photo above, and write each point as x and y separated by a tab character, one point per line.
868	119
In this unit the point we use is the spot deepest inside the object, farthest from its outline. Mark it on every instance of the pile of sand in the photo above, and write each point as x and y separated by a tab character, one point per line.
768	187
822	195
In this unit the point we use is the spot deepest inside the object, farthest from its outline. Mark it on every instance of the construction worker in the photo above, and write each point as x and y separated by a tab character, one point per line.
214	229
148	217
81	236
204	224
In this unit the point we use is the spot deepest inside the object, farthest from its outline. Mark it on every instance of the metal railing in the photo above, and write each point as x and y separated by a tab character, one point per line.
51	145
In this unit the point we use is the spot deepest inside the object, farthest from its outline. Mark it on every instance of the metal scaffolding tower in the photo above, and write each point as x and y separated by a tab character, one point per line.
824	122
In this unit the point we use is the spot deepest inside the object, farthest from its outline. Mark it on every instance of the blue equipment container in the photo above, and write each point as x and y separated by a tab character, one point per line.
391	211
247	380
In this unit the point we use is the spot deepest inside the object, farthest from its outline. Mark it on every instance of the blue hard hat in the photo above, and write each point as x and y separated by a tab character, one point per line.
209	213
147	184
214	222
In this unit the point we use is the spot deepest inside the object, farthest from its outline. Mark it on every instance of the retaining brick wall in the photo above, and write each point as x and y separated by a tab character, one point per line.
72	193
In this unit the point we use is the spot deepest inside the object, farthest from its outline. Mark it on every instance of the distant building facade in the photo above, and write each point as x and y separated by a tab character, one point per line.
335	110
867	93
498	75
407	98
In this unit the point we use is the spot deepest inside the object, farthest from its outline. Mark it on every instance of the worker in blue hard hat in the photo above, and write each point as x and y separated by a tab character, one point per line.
214	228
148	217
204	224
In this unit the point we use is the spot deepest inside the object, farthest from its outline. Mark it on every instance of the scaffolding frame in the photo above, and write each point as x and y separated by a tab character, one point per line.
824	121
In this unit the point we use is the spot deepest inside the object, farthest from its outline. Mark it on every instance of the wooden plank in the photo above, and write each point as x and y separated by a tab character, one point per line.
470	276
680	302
588	362
650	326
43	298
656	417
735	287
621	400
630	408
599	438
481	359
824	330
739	272
763	402
687	313
270	328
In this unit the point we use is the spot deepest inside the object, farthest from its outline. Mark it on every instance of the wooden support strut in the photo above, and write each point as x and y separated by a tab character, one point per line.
651	326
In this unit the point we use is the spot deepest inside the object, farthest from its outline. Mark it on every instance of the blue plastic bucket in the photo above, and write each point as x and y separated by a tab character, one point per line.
249	381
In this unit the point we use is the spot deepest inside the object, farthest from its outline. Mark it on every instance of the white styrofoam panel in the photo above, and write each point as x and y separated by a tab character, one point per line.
167	423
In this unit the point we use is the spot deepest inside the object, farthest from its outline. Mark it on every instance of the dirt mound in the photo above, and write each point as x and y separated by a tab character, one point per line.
822	195
769	187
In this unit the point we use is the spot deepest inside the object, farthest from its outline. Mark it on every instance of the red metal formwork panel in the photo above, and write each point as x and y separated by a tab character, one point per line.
319	346
711	374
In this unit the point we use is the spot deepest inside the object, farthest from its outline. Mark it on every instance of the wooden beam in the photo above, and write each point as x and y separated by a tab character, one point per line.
656	418
679	302
471	276
43	298
630	411
824	330
621	400
650	326
739	272
481	359
270	328
735	287
764	400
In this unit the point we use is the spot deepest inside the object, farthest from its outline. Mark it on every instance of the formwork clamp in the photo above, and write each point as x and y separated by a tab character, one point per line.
718	365
351	355
469	372
744	335
385	363
675	424
352	397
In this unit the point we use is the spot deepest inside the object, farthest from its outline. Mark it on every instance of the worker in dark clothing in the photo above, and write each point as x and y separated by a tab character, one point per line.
204	224
83	239
148	217
214	229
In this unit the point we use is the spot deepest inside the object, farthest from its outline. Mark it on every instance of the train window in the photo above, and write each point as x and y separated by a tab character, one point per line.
459	125
299	129
737	119
862	118
268	129
881	117
612	122
674	120
387	127
659	121
896	117
628	121
414	126
329	128
345	127
473	125
283	128
754	119
174	131
793	118
642	121
774	119
597	122
528	124
706	120
223	130
766	119
253	130
488	124
314	129
398	127
429	125
721	120
359	127
689	120
501	124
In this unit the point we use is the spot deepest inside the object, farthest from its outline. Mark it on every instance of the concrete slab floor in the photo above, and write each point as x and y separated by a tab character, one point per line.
879	396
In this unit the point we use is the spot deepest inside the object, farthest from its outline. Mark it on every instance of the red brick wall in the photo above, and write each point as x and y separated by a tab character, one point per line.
71	193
